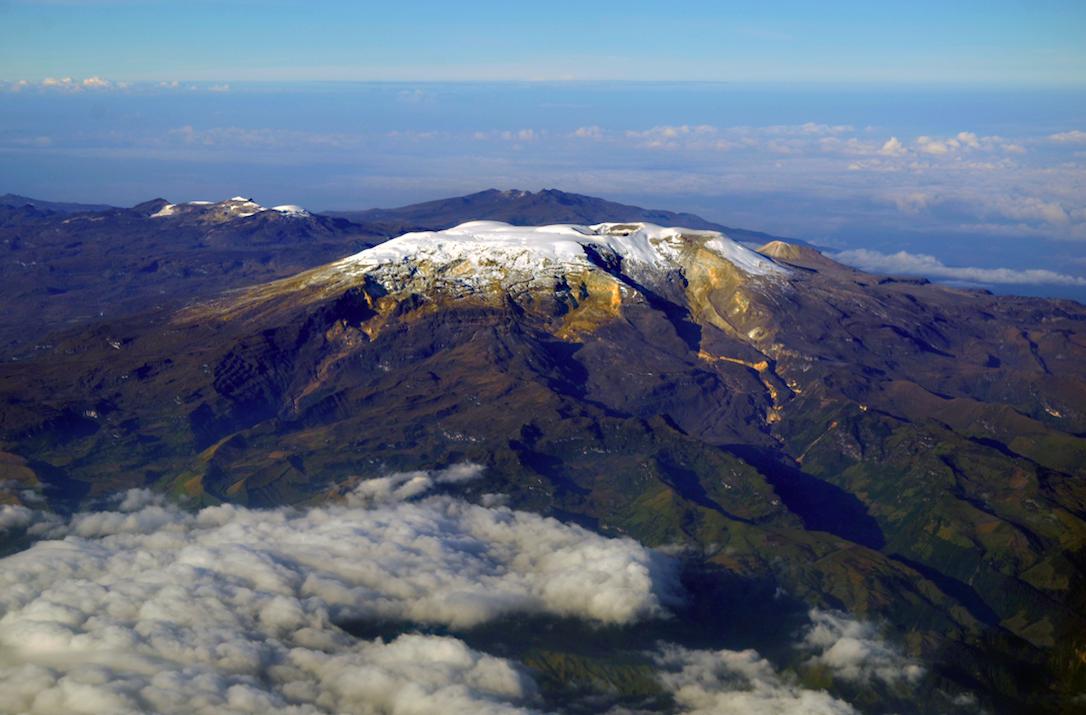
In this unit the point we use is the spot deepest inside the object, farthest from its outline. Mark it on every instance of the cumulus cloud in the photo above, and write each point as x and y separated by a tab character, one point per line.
893	147
96	83
729	682
931	267
402	486
592	132
1075	136
262	137
853	650
928	145
723	682
20	519
14	517
683	136
147	608
64	84
520	135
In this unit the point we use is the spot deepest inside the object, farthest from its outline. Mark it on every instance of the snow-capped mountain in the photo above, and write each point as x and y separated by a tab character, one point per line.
478	254
232	208
908	451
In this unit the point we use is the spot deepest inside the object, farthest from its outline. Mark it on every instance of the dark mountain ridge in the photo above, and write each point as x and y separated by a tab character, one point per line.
65	207
527	208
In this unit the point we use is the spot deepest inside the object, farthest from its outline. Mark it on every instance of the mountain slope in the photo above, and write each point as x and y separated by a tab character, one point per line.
904	451
73	263
63	269
65	207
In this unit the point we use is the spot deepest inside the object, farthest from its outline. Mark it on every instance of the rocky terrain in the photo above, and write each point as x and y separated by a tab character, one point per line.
910	453
70	264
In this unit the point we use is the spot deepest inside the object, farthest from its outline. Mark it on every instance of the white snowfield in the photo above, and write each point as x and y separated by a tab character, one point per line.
291	210
488	251
236	207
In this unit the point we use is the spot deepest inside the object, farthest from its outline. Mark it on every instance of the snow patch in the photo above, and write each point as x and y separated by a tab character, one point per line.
483	252
292	210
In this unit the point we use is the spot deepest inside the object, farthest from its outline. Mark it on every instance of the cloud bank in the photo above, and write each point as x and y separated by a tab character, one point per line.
738	683
921	264
728	682
147	608
853	650
144	607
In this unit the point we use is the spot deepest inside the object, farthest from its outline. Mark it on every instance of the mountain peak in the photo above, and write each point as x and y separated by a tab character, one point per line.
217	212
527	208
480	253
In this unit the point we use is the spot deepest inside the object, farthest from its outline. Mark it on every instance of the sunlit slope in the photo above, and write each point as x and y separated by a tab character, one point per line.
899	449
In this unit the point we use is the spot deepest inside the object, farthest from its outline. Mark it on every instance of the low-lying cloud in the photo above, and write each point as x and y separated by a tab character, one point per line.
145	607
921	264
726	682
854	651
729	682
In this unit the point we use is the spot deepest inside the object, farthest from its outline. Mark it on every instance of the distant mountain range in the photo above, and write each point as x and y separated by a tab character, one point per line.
527	208
66	267
69	263
15	200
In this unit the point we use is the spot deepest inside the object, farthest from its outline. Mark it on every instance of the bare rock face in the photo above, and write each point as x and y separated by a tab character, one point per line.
908	451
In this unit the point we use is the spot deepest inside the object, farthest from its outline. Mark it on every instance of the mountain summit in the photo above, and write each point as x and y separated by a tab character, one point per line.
528	208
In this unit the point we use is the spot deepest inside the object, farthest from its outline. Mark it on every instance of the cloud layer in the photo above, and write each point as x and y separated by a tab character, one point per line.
929	266
738	683
146	608
854	651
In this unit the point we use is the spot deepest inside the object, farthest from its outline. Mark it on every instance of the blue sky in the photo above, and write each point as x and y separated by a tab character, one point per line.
1034	43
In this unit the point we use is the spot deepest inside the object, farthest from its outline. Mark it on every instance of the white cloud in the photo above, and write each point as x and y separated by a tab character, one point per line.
893	147
402	486
96	83
729	682
64	84
931	267
968	139
683	136
1075	136
228	610
805	129
853	650
520	135
723	682
592	132
939	147
227	137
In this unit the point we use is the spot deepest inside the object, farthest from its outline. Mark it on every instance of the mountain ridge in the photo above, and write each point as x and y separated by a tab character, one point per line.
528	208
68	207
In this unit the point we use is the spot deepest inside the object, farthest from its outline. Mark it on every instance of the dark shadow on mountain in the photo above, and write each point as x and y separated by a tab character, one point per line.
686	482
61	492
822	506
679	317
551	468
960	591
